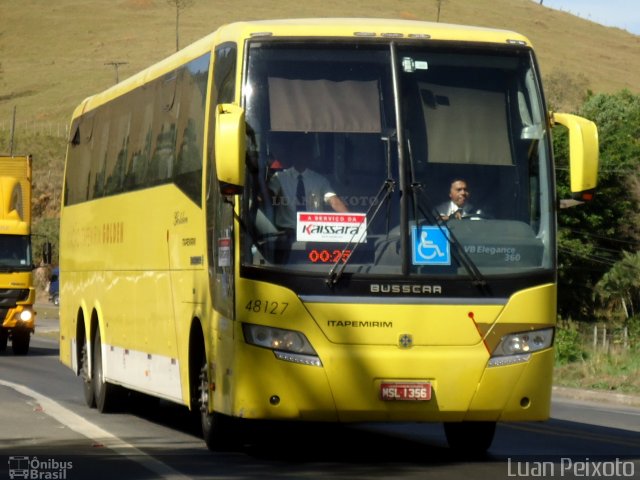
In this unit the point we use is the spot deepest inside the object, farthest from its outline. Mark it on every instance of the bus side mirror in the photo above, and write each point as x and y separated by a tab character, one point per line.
583	154
230	147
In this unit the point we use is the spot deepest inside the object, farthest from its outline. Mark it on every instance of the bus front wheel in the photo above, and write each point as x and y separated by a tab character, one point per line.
220	432
470	438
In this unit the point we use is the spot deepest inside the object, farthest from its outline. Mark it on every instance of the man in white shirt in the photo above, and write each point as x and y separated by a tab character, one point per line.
298	188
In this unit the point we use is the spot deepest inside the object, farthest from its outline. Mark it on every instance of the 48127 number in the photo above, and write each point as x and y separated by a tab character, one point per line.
266	306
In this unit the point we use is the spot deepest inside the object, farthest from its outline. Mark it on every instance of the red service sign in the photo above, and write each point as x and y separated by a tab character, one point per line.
331	227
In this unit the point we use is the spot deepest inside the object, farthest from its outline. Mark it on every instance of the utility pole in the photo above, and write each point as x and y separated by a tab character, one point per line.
180	5
13	131
439	5
116	65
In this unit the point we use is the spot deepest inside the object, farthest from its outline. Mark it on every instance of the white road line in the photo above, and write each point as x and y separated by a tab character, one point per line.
93	432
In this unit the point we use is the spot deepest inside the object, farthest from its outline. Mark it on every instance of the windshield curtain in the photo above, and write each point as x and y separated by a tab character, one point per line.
344	140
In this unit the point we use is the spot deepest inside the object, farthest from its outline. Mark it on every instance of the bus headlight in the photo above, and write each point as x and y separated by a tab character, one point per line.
288	345
518	347
26	315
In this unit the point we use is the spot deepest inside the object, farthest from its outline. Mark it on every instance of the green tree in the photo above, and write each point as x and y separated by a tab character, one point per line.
593	237
619	288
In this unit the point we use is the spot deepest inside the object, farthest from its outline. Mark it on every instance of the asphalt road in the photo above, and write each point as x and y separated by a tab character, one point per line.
46	428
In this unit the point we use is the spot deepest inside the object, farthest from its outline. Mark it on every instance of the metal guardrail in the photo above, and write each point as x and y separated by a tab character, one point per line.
54	129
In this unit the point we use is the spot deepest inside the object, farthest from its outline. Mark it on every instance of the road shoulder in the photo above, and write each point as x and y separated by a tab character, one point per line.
597	396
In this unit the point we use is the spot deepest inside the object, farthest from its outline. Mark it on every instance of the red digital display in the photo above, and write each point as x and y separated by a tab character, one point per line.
328	256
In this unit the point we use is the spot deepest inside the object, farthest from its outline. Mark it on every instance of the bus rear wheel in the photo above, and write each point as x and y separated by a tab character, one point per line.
470	438
220	432
106	394
87	382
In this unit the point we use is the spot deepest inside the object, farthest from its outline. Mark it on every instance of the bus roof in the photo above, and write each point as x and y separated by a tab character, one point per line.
309	28
369	27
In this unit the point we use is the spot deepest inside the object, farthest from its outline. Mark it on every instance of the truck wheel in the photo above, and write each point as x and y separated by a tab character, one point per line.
20	341
4	336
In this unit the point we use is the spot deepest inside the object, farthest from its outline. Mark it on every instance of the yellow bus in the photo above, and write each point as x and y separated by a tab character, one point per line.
192	270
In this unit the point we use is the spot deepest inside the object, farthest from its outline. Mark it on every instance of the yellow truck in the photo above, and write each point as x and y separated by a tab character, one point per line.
17	292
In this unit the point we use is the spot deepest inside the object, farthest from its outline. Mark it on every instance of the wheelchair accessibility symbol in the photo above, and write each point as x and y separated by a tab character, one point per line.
430	246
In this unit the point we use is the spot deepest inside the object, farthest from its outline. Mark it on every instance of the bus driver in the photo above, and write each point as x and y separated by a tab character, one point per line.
298	188
458	207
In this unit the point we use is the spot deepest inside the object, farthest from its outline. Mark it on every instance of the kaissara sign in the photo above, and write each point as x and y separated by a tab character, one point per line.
331	227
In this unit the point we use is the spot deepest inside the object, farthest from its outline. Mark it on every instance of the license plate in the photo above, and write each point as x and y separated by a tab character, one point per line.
405	391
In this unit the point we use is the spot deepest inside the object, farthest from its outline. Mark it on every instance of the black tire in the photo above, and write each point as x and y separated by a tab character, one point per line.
4	337
107	395
220	432
470	438
87	383
20	340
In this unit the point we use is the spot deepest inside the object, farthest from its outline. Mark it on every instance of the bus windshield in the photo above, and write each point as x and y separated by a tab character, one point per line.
396	158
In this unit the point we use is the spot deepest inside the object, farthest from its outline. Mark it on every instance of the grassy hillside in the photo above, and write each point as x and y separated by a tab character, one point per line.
53	54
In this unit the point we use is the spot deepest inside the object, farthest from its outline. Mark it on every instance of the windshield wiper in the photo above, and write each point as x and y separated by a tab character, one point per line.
385	191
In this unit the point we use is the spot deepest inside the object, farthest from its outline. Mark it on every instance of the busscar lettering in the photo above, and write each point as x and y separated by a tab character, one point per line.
359	324
405	289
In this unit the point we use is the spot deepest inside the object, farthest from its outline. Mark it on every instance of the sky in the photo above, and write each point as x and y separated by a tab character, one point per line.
623	14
